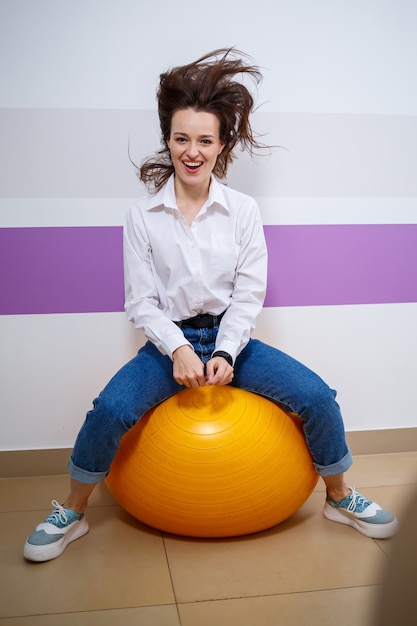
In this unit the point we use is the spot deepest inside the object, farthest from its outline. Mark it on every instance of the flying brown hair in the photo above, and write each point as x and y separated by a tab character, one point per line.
208	84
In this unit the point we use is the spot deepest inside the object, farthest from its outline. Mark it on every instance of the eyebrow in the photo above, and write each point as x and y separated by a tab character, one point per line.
179	132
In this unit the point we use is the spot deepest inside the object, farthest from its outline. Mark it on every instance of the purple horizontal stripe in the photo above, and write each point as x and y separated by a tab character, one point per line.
80	270
61	270
341	264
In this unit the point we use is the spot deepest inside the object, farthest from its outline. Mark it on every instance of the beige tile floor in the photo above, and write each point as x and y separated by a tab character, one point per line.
305	572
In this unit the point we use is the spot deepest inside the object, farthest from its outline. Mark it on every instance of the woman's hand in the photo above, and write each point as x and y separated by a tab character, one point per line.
188	369
218	371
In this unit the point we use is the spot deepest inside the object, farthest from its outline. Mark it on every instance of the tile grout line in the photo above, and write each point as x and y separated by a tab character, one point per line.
171	578
277	595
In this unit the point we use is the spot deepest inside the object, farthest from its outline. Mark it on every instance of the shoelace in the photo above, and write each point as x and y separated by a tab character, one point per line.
59	514
356	499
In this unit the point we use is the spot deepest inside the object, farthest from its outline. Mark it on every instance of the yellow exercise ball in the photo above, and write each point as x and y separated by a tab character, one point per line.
213	462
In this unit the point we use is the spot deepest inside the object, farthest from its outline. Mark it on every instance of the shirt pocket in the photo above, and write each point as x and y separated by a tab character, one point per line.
224	255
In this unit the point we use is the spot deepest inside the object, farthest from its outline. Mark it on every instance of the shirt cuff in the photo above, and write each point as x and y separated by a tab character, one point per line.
229	347
175	345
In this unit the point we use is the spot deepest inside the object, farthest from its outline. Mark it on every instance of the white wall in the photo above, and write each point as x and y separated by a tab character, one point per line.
326	63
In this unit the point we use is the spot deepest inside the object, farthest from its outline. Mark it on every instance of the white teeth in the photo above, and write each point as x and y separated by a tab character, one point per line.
192	164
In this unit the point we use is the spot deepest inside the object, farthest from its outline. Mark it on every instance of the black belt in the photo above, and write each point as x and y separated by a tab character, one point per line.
203	320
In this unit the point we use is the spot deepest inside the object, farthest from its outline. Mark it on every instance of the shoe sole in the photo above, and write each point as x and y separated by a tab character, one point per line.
53	550
375	531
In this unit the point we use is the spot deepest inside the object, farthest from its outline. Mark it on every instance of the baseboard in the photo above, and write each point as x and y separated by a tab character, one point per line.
382	441
15	463
49	462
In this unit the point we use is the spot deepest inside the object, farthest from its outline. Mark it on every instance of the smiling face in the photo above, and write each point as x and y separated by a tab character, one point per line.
194	144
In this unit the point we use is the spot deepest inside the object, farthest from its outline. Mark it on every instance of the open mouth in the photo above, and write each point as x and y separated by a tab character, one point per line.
193	165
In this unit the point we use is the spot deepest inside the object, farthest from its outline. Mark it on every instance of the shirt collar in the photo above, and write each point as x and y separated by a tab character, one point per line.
166	195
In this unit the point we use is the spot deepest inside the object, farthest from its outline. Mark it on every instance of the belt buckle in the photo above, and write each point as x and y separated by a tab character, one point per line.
203	320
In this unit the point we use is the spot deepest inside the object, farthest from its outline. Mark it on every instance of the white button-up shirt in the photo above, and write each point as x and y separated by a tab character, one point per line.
174	271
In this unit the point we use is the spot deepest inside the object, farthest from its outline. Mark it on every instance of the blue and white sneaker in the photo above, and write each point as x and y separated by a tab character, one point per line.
364	515
51	537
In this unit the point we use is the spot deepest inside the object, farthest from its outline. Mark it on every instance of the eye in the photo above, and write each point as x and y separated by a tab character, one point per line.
206	142
180	139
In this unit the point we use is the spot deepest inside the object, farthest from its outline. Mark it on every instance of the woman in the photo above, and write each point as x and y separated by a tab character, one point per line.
195	274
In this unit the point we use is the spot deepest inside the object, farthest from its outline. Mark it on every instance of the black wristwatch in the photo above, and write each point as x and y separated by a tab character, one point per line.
225	355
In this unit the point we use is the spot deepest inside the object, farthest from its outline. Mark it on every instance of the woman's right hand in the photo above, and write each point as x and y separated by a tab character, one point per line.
188	369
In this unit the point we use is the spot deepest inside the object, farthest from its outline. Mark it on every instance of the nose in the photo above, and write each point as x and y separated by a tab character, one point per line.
192	149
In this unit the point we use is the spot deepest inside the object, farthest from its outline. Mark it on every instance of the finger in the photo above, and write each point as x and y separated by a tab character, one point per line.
210	372
194	383
223	378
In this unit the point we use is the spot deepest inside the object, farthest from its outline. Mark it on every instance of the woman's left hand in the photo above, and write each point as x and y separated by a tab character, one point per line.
218	371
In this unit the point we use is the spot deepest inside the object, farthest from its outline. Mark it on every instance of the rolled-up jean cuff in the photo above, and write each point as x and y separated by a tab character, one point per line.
84	476
336	468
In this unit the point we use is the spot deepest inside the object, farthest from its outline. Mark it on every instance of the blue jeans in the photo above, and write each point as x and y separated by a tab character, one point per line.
147	380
